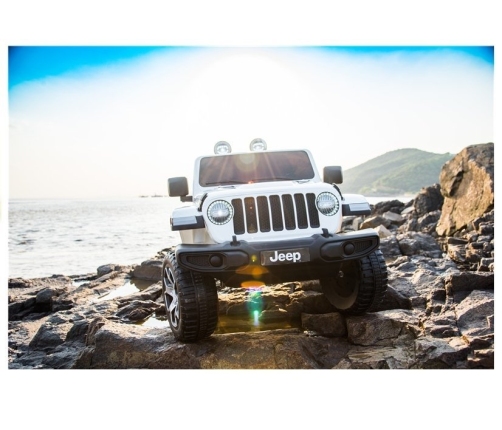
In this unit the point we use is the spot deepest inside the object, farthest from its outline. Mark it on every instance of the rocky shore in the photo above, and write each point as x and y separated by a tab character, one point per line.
438	311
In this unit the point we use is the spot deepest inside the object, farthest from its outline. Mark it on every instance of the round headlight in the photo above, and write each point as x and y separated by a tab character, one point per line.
327	204
258	145
222	147
220	212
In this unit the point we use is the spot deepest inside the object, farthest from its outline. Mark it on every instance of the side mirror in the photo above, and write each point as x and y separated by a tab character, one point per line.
178	187
333	175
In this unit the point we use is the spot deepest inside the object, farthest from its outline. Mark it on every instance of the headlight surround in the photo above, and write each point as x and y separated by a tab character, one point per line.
220	212
327	204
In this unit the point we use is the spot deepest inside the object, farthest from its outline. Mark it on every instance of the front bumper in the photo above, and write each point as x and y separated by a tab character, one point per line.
235	256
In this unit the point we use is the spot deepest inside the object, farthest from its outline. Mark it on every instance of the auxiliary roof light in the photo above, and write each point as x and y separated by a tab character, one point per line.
222	147
258	144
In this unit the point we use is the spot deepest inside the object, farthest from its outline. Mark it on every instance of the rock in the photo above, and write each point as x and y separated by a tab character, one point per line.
467	185
427	223
275	314
382	232
138	310
150	270
51	334
153	293
105	269
475	314
481	358
36	296
329	325
436	353
429	199
390	247
469	281
393	218
375	221
395	206
381	328
377	357
45	296
417	243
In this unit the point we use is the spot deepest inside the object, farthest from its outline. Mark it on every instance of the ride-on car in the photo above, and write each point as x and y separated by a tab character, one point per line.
262	218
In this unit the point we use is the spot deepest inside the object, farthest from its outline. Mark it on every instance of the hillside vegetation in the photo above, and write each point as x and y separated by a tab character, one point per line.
399	172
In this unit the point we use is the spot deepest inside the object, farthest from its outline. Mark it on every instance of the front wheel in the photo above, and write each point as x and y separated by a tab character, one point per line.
191	301
357	286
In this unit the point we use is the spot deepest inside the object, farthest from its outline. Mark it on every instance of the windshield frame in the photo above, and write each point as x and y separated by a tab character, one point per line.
255	167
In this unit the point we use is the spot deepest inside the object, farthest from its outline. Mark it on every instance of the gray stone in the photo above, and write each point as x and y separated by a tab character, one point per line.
375	221
475	314
382	232
394	218
417	243
428	200
150	270
380	328
436	353
329	325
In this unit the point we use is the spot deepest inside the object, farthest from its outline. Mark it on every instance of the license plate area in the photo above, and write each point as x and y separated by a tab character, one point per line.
285	256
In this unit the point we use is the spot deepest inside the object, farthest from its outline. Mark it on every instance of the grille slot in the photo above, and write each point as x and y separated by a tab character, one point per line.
301	211
313	214
198	260
362	245
276	210
263	214
239	226
275	213
251	220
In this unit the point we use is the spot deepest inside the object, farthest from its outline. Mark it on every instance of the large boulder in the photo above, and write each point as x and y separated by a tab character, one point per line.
467	186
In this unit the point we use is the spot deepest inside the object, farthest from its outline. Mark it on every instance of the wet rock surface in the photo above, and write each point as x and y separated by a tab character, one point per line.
438	312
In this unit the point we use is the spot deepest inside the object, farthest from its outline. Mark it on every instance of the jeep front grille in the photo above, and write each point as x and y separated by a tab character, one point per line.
276	212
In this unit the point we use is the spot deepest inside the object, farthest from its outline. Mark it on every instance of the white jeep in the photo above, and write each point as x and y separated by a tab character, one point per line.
265	217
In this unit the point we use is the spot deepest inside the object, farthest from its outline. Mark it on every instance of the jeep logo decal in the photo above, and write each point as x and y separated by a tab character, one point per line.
286	256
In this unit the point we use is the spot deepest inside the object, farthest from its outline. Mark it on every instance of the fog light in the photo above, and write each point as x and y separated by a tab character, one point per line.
216	260
349	248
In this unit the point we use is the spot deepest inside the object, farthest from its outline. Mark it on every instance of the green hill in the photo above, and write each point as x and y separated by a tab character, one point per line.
399	172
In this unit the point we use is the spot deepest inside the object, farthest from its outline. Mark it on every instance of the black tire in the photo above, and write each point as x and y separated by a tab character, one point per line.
359	285
191	301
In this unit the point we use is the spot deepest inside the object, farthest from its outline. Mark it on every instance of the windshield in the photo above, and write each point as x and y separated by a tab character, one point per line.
255	167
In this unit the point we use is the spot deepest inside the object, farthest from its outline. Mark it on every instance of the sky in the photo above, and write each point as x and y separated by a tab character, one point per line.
117	121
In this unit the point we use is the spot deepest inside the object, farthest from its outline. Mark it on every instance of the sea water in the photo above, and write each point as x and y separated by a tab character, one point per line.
76	236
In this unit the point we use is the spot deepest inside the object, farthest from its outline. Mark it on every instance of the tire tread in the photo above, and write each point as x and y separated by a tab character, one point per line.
198	302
